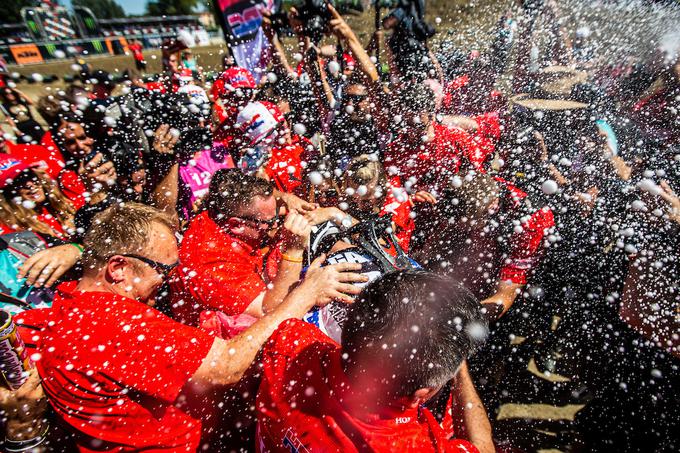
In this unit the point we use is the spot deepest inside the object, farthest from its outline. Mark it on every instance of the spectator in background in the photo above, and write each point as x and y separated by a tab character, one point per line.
30	200
16	107
136	49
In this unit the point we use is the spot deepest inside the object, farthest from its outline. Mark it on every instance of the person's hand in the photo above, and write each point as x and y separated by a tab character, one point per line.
296	24
296	231
97	173
267	24
165	139
321	215
673	201
295	203
338	25
24	408
326	284
47	266
424	197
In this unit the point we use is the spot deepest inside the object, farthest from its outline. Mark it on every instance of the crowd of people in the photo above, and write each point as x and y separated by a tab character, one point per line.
339	257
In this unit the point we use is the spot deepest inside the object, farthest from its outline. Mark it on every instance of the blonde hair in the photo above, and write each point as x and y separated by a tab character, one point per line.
122	228
17	216
363	170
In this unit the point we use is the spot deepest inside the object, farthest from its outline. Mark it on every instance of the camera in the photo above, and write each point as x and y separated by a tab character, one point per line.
313	14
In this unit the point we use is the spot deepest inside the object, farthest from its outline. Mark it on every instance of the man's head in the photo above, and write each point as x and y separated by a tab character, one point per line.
418	103
470	201
130	249
407	335
356	102
244	205
71	136
102	84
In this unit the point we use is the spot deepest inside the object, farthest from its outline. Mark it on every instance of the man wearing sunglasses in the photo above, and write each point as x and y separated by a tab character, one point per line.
239	256
113	367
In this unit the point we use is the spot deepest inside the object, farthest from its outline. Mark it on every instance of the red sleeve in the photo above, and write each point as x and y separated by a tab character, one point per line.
71	185
153	354
229	287
4	228
526	247
489	125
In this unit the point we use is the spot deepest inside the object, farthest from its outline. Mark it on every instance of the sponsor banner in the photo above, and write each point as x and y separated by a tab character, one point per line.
26	53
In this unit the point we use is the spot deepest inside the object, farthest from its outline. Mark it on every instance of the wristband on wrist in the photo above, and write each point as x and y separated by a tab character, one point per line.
291	259
78	246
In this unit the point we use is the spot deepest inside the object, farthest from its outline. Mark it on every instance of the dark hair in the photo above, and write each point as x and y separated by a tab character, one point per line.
231	190
472	198
416	328
417	98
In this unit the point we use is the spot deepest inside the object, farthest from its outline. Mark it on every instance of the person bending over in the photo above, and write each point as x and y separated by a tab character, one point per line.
406	336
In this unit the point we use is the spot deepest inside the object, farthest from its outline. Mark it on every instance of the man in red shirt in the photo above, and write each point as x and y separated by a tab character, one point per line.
425	148
239	256
406	336
113	367
487	234
136	49
232	90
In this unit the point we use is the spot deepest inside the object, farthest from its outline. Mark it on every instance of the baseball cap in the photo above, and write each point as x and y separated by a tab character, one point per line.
258	120
237	77
10	168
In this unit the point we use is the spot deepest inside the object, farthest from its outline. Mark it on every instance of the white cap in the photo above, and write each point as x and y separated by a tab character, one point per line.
256	122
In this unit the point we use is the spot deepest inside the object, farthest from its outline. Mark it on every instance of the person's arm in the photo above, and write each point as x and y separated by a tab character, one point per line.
294	203
297	230
164	195
23	411
227	361
364	64
501	301
469	413
320	86
279	60
45	267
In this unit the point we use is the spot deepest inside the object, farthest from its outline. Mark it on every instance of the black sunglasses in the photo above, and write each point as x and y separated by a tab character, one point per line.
271	223
163	269
354	98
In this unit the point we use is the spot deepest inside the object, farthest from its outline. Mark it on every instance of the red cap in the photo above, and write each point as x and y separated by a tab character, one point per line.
235	78
10	168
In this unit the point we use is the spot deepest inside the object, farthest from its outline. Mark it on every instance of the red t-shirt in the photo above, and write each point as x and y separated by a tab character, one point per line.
48	160
300	403
526	242
433	161
137	51
218	271
112	369
485	137
398	205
